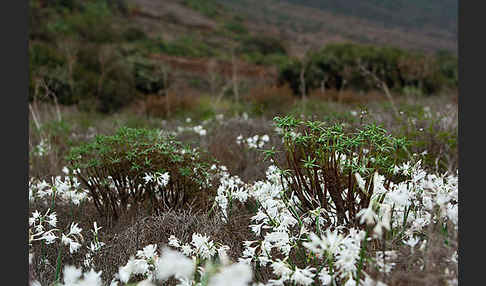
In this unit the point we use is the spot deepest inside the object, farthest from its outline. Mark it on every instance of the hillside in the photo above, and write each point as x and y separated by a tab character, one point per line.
107	54
414	14
422	25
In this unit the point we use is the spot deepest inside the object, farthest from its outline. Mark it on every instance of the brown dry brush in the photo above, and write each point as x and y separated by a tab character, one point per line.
156	229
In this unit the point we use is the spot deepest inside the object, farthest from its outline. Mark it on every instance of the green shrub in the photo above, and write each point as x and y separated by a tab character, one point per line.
264	45
41	54
278	60
112	91
116	168
116	92
147	80
209	8
186	46
321	163
236	27
339	66
133	34
93	23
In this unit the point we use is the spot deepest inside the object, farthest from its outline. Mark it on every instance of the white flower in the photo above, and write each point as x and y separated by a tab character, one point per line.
332	240
75	229
200	130
239	139
74	246
367	215
203	245
71	274
52	219
316	245
65	170
325	277
238	274
49	237
174	263
148	178
400	198
133	266
96	228
91	278
223	256
186	249
350	282
361	183
281	269
125	272
148	251
303	276
146	282
173	241
412	241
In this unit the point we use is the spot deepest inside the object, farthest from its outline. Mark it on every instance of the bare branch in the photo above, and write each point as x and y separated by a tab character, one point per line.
380	83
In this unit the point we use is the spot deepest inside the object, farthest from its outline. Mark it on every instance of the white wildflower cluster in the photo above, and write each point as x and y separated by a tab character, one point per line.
283	230
230	188
195	258
90	134
423	199
411	204
65	188
342	250
200	247
42	149
144	264
274	217
159	178
198	129
73	276
253	142
73	238
292	134
94	246
42	227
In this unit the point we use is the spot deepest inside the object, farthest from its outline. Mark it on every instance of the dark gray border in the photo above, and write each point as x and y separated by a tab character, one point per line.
14	124
472	80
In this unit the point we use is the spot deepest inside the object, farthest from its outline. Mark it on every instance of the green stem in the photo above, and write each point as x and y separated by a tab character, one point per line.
58	264
361	259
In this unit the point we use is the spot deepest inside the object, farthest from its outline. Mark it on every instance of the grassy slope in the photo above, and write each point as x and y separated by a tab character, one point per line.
412	25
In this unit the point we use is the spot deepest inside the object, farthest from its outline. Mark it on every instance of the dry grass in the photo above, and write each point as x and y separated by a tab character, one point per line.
274	100
136	231
423	266
165	106
248	164
348	96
